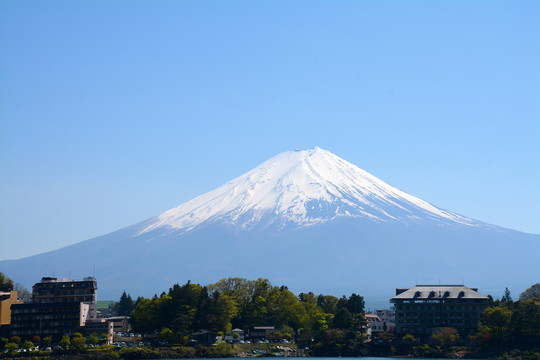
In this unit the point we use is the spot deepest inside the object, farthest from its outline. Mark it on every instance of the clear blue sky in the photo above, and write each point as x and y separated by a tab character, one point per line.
114	111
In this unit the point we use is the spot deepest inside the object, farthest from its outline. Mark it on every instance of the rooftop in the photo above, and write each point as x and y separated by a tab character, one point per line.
429	292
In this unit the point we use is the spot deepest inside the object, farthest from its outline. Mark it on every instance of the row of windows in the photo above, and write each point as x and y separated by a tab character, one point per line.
52	324
33	310
437	315
46	316
445	301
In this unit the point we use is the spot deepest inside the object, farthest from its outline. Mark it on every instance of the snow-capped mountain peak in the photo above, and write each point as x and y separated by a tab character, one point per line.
302	187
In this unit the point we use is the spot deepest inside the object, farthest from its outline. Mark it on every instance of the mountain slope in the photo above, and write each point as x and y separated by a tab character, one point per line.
306	219
303	187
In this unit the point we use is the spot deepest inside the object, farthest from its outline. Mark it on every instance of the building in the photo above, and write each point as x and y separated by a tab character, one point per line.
262	332
203	337
231	337
59	307
388	319
374	324
424	309
118	324
105	308
6	300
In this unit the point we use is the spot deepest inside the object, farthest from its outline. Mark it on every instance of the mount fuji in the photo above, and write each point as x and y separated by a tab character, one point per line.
306	219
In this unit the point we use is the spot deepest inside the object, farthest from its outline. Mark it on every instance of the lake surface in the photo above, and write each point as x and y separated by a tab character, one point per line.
324	358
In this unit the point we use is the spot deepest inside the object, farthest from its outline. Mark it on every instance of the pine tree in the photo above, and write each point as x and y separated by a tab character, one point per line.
506	297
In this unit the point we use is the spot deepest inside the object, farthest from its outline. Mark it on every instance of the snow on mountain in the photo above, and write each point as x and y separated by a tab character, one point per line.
303	187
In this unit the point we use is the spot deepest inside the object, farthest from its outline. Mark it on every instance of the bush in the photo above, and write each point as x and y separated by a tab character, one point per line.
11	346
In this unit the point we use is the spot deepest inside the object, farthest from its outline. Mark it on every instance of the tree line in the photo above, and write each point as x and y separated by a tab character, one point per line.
506	321
241	303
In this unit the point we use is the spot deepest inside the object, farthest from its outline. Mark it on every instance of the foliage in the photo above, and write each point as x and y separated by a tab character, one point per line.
506	297
28	345
241	303
15	339
532	293
65	342
508	323
78	341
497	319
93	338
167	335
125	306
23	293
3	342
11	346
6	284
409	339
46	341
446	336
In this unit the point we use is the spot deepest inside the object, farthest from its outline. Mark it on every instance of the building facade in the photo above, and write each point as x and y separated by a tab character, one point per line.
59	307
424	309
6	300
388	319
374	324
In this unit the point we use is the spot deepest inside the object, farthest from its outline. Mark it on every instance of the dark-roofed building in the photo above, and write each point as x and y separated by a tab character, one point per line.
204	337
59	307
424	309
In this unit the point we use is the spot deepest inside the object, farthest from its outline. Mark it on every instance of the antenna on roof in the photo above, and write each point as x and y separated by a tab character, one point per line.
94	273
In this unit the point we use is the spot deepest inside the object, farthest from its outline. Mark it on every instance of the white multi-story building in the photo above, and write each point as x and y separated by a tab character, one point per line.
388	319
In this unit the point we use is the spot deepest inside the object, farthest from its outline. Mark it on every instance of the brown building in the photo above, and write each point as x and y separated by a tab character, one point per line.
6	300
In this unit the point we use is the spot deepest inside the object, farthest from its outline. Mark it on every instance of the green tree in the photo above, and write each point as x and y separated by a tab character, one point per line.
446	336
167	335
328	303
222	311
152	314
240	289
6	284
532	293
409	339
65	342
94	339
126	305
343	318
358	324
78	341
525	320
497	319
46	341
3	342
28	345
355	304
15	339
506	297
11	346
181	308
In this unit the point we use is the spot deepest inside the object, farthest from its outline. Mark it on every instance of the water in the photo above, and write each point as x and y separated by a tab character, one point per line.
324	358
